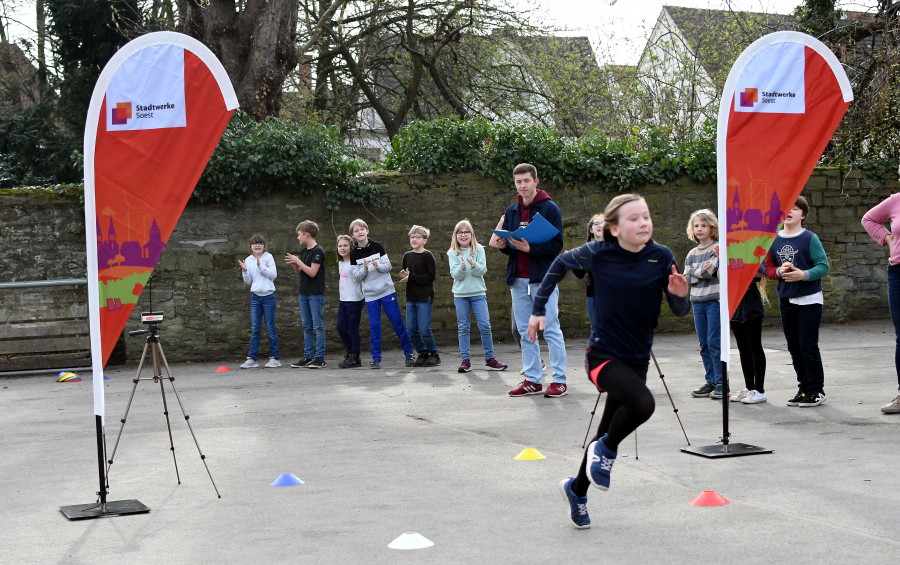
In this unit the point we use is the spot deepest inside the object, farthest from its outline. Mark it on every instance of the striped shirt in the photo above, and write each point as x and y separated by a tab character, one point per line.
704	281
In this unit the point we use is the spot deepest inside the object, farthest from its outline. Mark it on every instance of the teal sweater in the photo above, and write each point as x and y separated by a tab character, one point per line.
468	281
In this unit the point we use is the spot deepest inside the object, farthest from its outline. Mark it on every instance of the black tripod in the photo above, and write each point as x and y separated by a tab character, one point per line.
155	347
663	379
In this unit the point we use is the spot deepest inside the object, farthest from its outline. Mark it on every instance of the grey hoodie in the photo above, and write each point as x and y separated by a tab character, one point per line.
376	282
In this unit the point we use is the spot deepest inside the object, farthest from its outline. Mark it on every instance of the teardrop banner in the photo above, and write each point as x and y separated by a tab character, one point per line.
156	114
782	101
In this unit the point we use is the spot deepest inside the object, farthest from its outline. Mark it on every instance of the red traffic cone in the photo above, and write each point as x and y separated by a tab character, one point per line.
709	498
222	369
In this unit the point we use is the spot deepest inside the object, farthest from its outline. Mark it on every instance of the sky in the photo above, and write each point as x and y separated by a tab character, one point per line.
618	29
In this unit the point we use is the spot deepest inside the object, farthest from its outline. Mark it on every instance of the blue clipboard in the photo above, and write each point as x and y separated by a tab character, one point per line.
537	231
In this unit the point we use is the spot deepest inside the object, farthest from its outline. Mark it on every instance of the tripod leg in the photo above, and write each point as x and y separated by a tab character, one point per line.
594	411
162	390
137	379
635	446
663	379
187	418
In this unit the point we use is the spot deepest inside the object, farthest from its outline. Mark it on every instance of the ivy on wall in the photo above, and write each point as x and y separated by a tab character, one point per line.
253	157
451	145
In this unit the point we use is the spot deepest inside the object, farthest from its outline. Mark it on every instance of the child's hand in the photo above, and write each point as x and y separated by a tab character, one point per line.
678	285
794	275
889	239
716	250
463	263
535	323
243	265
705	264
404	275
471	262
292	260
258	264
375	263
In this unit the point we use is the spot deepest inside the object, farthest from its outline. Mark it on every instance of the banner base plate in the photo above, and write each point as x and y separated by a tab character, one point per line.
107	510
730	450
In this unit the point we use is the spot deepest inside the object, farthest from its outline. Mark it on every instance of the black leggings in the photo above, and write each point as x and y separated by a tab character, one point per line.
629	403
753	360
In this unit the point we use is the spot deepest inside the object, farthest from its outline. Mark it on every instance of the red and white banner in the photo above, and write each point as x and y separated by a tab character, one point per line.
156	115
783	100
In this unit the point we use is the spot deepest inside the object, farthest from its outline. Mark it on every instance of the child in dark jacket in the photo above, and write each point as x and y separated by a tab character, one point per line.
798	262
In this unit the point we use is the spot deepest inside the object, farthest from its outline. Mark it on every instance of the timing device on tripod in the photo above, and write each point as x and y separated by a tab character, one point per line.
152	320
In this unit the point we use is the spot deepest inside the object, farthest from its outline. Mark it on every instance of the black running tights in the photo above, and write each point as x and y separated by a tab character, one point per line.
629	403
753	360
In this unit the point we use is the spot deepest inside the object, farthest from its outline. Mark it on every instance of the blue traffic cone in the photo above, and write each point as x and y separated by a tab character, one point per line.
286	480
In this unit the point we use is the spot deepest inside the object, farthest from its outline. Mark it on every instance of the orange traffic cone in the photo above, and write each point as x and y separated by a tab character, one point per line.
222	369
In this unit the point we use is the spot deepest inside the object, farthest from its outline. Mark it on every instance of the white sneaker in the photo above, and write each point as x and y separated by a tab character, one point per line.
740	395
754	398
892	407
250	364
543	368
273	363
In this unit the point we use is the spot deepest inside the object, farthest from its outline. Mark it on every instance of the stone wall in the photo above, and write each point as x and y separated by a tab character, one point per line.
197	282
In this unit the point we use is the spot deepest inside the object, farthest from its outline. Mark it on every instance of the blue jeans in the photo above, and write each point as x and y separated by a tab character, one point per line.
893	276
522	293
349	315
262	307
595	324
801	330
392	309
311	308
478	304
706	321
418	326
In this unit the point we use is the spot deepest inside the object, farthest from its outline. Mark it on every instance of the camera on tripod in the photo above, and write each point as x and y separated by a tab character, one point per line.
151	319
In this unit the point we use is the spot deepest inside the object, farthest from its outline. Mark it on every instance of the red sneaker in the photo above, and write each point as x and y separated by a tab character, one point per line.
494	365
525	388
555	390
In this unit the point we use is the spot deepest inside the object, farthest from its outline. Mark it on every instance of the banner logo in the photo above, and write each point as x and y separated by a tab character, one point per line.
121	113
147	91
773	82
749	97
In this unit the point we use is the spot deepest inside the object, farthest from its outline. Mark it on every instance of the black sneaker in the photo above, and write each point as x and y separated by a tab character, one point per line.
704	391
317	363
433	360
812	399
350	361
797	399
302	363
435	357
420	360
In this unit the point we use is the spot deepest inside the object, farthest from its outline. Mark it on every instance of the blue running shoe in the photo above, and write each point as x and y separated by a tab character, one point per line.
578	513
600	464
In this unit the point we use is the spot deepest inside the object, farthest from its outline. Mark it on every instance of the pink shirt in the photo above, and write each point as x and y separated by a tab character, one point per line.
888	210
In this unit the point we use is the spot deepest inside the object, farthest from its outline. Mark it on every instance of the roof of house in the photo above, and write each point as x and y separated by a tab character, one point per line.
717	37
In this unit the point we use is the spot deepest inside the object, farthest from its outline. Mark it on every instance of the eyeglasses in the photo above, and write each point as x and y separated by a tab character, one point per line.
258	244
416	237
463	233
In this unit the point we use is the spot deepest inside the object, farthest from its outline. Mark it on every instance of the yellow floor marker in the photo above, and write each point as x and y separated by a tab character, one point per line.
529	454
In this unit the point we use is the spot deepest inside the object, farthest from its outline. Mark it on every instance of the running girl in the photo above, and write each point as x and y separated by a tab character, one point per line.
630	272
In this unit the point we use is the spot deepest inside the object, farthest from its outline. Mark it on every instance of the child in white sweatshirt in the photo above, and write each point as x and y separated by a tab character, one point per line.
259	272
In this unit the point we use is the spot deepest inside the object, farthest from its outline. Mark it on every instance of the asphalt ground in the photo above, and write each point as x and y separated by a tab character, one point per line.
432	451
